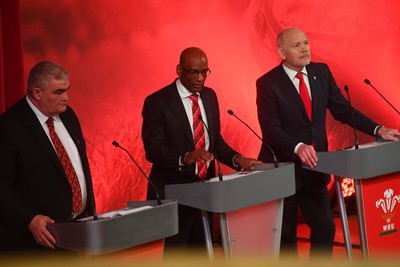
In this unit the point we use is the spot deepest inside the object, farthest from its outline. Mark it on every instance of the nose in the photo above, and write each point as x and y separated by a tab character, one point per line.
305	47
200	77
65	96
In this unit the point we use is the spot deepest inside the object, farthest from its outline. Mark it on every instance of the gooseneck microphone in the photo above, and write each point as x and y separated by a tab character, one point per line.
376	90
346	88
115	143
216	158
230	112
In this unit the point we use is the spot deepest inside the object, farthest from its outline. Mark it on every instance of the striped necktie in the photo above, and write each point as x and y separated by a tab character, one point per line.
68	168
199	137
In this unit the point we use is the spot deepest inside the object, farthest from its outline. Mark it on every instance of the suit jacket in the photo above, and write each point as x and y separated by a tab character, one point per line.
283	118
167	135
32	180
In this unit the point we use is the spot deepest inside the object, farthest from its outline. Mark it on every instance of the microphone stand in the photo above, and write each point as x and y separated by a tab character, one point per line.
346	88
115	143
230	112
216	158
369	83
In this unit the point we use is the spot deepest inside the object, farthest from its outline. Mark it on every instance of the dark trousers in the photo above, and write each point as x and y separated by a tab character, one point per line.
313	200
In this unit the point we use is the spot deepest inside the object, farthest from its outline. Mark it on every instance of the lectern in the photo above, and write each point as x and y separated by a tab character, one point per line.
140	222
250	205
375	168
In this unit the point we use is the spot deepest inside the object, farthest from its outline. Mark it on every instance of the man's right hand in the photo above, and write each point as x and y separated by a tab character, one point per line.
307	155
201	155
39	231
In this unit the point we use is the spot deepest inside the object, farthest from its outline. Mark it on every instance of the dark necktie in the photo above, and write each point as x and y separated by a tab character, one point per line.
199	137
68	168
304	94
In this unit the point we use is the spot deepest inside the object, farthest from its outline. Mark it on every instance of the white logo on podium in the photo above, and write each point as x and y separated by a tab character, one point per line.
387	204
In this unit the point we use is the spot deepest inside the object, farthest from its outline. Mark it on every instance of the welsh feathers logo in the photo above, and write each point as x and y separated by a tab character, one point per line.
387	204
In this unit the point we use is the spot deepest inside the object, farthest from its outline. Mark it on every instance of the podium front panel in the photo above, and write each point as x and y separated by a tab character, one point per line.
108	235
256	231
381	201
374	167
237	190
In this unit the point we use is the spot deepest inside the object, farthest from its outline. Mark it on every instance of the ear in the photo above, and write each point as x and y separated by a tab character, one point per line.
281	53
178	70
36	93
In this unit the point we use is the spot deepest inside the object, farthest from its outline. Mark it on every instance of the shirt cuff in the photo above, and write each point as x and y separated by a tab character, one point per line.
234	158
181	163
297	147
377	129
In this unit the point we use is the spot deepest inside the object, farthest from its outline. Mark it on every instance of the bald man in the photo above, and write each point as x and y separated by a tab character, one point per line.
168	138
296	132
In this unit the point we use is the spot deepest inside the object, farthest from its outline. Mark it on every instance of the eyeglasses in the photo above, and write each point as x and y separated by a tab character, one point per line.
195	73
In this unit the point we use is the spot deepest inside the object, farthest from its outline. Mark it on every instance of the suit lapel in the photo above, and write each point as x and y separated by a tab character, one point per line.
71	127
312	79
291	90
176	106
37	131
207	100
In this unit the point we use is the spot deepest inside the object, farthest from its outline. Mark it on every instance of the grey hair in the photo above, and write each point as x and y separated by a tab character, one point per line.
280	39
43	72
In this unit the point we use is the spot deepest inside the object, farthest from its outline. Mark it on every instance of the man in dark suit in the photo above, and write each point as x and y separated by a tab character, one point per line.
34	188
295	135
168	138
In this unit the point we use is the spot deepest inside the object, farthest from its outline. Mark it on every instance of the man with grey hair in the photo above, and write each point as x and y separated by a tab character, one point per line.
44	170
292	101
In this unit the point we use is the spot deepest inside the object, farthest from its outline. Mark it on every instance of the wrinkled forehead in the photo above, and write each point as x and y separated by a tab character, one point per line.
293	36
195	62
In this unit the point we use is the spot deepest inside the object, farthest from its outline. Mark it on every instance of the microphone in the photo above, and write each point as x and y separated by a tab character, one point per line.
230	112
90	196
369	83
115	143
216	158
346	88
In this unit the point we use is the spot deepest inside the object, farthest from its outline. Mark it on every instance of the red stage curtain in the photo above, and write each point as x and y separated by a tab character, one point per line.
11	56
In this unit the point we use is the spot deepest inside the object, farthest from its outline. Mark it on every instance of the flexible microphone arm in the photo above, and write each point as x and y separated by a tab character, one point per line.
230	112
89	186
369	83
115	143
216	158
346	88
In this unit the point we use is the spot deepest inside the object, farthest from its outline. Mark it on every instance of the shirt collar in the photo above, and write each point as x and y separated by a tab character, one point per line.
41	117
182	90
292	73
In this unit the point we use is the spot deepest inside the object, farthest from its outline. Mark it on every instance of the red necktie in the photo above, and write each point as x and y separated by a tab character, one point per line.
199	137
304	94
68	168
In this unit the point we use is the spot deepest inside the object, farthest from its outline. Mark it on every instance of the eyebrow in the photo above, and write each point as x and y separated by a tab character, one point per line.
62	89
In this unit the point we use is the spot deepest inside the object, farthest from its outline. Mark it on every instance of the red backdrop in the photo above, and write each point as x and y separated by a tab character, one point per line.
11	56
118	52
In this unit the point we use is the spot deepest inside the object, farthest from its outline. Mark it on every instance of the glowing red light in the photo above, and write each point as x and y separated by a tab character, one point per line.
348	187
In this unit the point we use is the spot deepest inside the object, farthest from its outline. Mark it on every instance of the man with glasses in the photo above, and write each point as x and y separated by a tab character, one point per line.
181	136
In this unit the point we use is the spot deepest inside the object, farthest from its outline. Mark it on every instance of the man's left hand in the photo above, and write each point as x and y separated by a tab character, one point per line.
247	163
389	134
